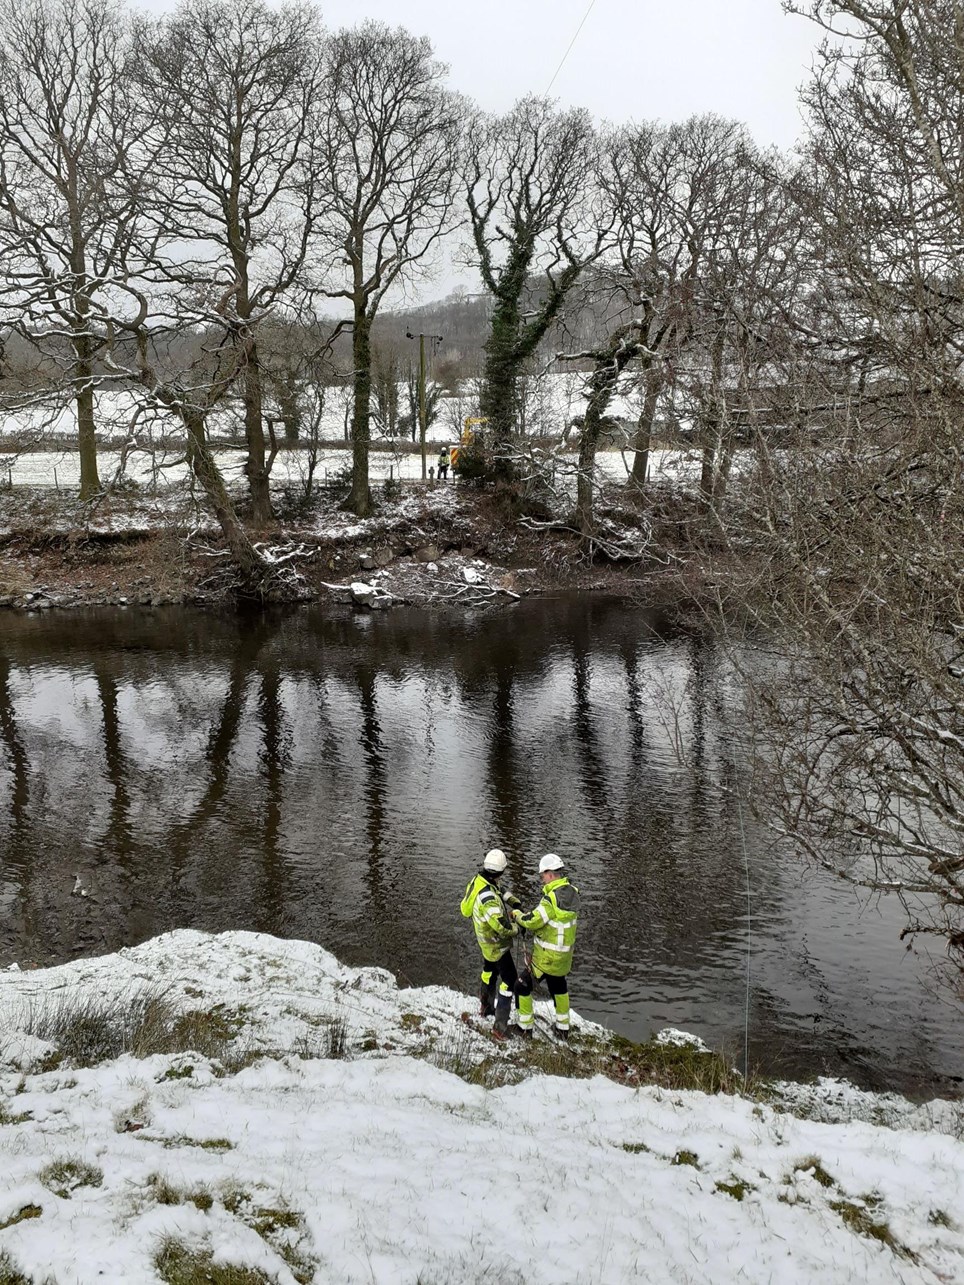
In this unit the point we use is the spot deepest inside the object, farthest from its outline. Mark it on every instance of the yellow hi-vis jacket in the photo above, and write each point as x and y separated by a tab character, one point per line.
553	928
494	929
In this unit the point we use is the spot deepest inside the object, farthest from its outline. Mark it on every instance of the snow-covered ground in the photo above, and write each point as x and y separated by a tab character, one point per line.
383	1166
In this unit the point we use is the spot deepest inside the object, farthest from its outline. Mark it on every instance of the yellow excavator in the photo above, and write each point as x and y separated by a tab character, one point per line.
472	440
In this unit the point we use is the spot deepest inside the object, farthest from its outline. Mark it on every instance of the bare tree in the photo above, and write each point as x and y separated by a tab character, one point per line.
705	244
623	346
234	88
860	549
537	222
684	292
73	171
386	376
654	187
433	402
192	400
384	155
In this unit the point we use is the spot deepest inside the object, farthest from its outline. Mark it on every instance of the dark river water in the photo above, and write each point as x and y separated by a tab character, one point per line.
337	777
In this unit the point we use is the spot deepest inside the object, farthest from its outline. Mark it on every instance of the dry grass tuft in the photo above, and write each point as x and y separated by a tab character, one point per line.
63	1177
91	1029
178	1265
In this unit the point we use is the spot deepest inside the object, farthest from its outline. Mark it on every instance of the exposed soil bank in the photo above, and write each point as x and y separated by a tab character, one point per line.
436	544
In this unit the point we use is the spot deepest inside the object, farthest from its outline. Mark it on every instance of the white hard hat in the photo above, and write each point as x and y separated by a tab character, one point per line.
494	861
550	862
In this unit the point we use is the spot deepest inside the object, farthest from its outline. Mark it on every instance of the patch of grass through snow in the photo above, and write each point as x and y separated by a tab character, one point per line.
9	1273
671	1067
859	1217
28	1211
166	1192
178	1265
10	1117
812	1166
284	1230
684	1157
63	1177
181	1140
93	1028
737	1188
663	1066
281	1228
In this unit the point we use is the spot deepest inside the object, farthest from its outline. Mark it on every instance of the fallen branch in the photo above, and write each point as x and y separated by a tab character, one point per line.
614	551
483	589
277	555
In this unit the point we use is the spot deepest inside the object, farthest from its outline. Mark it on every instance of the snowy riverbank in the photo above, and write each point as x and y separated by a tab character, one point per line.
332	1133
443	544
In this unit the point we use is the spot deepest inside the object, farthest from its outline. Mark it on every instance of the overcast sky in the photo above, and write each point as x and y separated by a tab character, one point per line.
633	59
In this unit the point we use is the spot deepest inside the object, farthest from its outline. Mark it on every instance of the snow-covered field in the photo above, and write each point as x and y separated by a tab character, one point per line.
383	1166
118	417
62	468
552	401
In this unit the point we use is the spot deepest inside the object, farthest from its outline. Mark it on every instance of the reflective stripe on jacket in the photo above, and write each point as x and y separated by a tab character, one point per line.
492	924
553	928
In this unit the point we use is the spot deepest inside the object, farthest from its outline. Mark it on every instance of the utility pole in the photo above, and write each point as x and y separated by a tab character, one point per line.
422	407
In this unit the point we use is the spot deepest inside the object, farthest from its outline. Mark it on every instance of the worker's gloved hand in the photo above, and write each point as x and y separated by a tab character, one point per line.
511	900
517	915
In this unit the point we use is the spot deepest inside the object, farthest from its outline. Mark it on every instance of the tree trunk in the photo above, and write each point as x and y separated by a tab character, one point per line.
592	423
610	363
644	432
709	436
359	499
713	417
291	416
86	436
497	401
255	470
243	554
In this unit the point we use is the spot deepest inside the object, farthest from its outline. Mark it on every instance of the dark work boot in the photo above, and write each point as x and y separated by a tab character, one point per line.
519	1033
486	1006
502	1017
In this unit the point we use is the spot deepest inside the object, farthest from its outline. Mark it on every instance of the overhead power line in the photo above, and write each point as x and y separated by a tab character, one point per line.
571	43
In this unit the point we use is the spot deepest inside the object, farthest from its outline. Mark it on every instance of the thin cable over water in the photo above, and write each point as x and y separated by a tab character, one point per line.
746	1007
